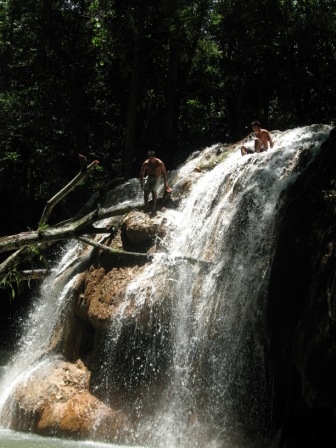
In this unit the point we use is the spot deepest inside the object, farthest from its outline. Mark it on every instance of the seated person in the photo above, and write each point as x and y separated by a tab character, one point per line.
261	140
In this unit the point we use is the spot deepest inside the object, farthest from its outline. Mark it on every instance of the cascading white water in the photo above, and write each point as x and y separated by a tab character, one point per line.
215	392
217	389
34	351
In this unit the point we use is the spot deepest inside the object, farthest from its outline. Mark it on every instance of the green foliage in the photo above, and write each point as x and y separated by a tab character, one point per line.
101	14
113	79
10	157
41	228
11	282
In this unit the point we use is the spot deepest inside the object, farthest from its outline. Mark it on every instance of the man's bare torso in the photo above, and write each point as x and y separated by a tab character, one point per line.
263	136
154	168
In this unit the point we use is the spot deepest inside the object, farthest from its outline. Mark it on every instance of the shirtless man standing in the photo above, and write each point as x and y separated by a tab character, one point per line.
262	138
155	169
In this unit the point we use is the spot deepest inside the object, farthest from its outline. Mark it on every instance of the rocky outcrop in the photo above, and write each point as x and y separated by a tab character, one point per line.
64	399
141	230
104	295
57	402
301	310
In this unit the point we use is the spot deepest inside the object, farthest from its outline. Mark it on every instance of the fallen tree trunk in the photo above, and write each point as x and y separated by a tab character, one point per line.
17	257
36	274
29	244
68	231
21	256
33	274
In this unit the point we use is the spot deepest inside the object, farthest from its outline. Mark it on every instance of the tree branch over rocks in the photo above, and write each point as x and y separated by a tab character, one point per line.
30	244
27	245
69	230
140	255
120	253
62	193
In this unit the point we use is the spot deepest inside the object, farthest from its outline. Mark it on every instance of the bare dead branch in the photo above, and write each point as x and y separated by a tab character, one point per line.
62	193
69	230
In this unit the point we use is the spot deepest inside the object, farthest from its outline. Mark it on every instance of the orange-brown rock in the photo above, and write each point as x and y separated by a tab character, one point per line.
108	296
56	401
83	416
105	292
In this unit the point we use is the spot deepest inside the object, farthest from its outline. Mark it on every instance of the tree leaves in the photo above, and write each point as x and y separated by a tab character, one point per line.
114	78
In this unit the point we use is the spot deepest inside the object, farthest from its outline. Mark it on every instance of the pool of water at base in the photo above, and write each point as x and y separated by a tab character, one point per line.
13	439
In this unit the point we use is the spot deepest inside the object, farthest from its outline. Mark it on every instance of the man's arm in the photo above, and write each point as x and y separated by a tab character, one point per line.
269	138
164	173
142	173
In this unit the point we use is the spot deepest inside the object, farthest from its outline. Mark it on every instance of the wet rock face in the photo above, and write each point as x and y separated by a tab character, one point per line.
79	415
140	230
64	399
58	402
105	294
301	311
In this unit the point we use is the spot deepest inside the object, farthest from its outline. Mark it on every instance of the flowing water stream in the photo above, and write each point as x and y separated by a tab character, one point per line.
218	388
216	266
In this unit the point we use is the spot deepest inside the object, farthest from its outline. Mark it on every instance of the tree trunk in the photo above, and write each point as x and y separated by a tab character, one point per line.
133	94
71	229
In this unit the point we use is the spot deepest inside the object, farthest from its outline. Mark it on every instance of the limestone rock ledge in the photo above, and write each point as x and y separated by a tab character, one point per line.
105	296
65	398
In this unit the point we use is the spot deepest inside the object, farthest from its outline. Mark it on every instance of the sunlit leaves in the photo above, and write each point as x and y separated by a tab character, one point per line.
11	282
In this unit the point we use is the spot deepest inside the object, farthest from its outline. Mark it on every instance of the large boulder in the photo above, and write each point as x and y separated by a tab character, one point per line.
108	296
104	293
83	416
57	401
140	229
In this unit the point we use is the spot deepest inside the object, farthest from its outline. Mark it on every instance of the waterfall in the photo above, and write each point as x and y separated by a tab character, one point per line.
214	271
42	324
218	386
